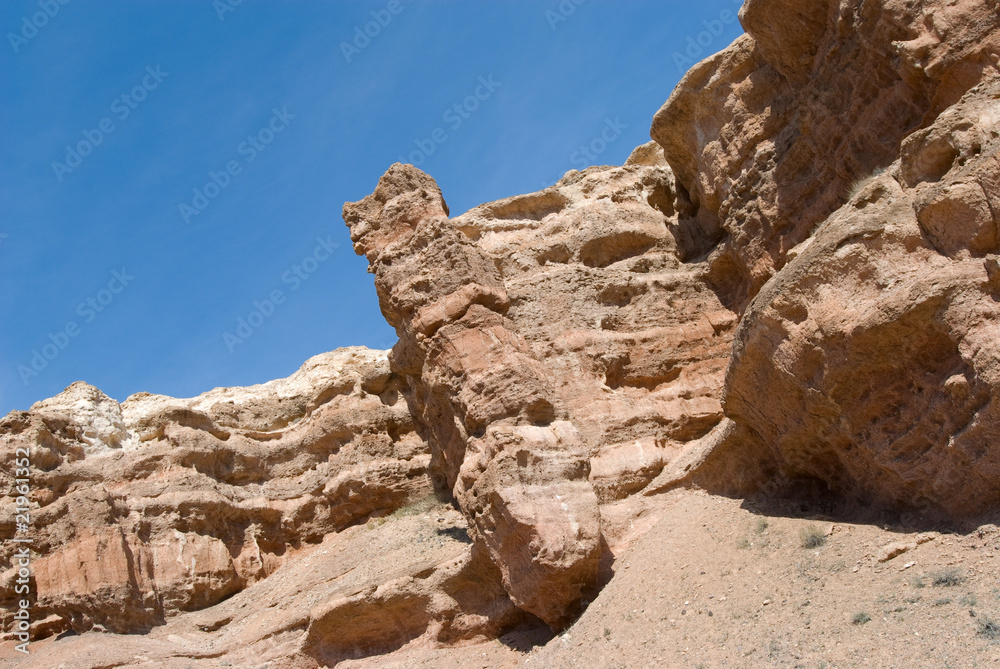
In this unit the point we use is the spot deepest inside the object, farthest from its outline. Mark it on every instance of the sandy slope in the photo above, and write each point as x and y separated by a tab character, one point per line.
716	583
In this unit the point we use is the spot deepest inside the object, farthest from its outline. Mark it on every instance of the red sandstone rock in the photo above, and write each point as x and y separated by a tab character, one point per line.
163	505
882	336
819	215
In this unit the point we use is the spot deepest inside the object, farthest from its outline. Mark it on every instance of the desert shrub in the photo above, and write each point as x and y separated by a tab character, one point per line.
989	628
947	578
812	537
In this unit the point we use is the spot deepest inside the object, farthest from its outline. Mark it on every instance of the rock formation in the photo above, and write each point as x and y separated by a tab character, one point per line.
794	289
767	137
847	159
534	342
161	505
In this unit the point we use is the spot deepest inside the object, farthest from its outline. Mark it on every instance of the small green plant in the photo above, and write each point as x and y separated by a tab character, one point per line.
968	599
944	601
916	581
761	525
860	618
947	578
988	628
743	543
812	537
416	506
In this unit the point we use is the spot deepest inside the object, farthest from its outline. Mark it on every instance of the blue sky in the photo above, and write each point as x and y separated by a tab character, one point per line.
167	168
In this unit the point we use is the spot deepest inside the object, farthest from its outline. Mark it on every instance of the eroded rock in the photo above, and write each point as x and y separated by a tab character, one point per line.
882	336
539	356
162	505
794	288
768	137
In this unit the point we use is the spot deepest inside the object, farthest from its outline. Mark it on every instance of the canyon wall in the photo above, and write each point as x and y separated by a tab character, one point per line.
829	182
794	289
162	505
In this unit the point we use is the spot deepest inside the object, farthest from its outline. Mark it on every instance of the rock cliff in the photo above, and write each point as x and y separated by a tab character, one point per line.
793	291
537	351
846	158
161	505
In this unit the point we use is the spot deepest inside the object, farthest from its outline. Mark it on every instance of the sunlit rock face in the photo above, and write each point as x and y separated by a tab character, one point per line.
542	357
159	505
846	155
793	289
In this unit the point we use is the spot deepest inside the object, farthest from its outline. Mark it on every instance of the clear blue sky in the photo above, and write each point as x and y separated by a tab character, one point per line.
112	115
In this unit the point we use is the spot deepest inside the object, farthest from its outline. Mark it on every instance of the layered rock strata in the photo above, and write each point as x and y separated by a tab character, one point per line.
843	157
794	289
161	505
540	359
